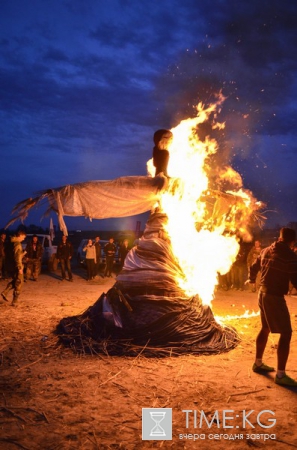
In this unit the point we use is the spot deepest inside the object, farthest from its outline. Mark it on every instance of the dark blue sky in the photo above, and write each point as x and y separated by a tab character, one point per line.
84	85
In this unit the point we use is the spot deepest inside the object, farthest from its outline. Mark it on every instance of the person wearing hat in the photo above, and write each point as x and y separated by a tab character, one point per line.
162	140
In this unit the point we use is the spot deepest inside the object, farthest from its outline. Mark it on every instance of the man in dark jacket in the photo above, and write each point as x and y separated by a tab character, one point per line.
33	258
64	255
98	255
2	255
18	272
109	250
278	266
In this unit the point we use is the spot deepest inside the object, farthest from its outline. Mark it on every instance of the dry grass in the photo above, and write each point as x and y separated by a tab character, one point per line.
52	398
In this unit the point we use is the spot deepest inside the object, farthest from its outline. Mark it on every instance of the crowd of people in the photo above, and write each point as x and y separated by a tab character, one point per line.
21	263
94	254
94	251
271	271
236	277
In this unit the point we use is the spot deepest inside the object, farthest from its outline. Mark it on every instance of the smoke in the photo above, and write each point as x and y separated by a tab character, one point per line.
247	55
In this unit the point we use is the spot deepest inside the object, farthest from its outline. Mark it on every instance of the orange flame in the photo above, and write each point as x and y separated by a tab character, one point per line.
204	226
246	315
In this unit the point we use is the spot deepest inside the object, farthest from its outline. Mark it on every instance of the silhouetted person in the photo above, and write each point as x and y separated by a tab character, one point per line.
251	258
124	250
64	255
2	255
34	254
238	270
98	255
278	266
109	249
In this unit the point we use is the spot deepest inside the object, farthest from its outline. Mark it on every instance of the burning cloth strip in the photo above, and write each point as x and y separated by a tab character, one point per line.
146	311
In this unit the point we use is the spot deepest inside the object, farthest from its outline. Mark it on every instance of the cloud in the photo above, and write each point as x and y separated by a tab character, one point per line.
91	82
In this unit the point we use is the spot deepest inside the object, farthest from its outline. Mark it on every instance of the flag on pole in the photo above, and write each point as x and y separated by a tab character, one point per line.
52	230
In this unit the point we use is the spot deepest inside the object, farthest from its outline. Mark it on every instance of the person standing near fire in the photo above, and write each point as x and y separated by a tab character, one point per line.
64	255
292	290
18	268
2	256
33	258
124	250
251	258
238	271
98	255
109	250
162	140
277	265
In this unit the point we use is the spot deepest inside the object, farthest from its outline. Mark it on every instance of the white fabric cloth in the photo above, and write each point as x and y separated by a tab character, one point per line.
125	196
122	197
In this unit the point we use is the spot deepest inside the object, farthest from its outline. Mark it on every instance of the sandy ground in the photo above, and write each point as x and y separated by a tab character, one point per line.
52	398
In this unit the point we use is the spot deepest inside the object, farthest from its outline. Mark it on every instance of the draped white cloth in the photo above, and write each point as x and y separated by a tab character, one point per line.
122	197
125	196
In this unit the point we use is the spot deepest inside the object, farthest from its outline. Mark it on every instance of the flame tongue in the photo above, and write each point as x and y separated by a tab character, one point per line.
203	226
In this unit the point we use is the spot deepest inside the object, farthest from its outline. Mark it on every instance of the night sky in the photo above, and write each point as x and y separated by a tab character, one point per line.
84	85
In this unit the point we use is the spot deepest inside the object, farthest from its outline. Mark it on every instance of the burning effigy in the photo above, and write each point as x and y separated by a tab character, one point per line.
160	303
146	310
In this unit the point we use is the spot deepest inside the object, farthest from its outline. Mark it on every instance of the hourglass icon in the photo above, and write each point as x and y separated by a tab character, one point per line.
157	417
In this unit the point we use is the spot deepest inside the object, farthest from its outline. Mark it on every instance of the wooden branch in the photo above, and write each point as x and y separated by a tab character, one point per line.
28	365
11	441
284	442
106	381
244	393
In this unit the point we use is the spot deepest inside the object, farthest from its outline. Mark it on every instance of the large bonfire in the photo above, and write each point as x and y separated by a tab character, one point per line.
160	302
